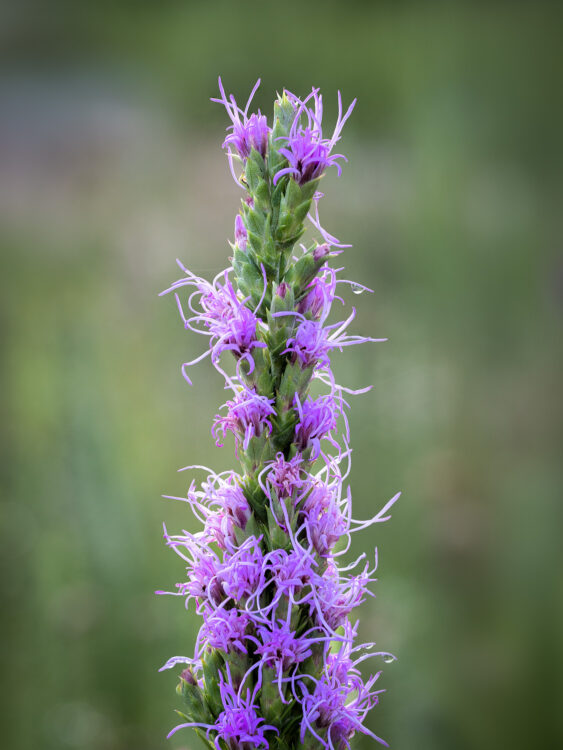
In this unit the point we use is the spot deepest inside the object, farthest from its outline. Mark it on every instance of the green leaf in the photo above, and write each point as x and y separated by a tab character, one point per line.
292	194
255	221
309	189
300	212
304	270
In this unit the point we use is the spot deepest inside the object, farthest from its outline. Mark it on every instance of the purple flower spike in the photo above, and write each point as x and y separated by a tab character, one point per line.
240	725
276	659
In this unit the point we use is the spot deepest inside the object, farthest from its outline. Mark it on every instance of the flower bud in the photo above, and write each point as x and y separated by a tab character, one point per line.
241	234
320	252
188	675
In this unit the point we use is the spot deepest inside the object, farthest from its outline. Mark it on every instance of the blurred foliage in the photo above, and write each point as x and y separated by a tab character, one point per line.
110	167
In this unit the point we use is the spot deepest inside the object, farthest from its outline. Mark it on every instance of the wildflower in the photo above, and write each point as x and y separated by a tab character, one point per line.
276	657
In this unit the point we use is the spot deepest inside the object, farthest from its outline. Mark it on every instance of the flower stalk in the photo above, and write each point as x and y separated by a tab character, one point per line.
276	659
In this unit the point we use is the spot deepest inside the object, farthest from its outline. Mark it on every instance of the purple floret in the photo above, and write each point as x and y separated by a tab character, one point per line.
337	595
320	295
247	132
232	512
242	570
317	419
217	311
225	629
280	648
307	152
310	345
285	477
239	726
335	710
248	415
324	521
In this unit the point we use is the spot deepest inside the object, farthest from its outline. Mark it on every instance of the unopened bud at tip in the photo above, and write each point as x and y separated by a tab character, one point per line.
283	289
188	676
321	252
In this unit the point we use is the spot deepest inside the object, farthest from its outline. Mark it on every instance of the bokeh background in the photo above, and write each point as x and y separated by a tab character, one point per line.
110	168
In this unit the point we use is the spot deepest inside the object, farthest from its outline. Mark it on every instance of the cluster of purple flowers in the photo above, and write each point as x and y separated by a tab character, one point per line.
275	659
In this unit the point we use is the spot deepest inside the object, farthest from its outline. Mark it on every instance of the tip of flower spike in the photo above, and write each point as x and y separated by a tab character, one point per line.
335	701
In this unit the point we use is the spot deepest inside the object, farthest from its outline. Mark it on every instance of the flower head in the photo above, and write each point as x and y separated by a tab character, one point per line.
307	152
285	477
280	647
292	571
337	596
310	344
217	311
323	518
203	567
225	629
247	132
318	299
242	570
335	711
317	418
240	725
248	415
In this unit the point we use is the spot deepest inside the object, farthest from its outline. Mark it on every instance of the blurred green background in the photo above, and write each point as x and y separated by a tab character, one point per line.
110	168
